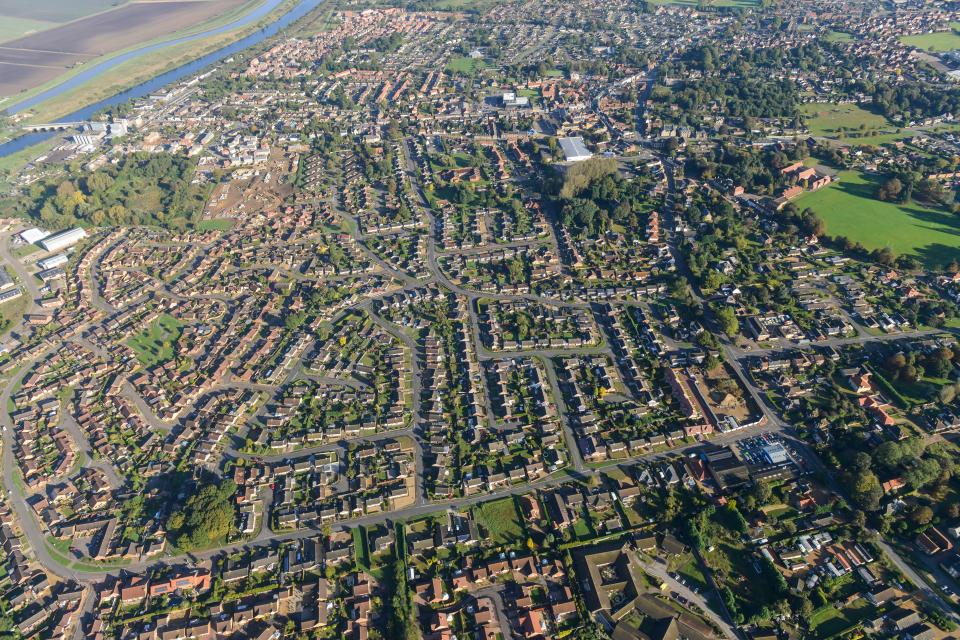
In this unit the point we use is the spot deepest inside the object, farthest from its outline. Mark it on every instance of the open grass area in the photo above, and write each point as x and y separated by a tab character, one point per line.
12	311
501	521
832	119
12	27
465	65
827	622
838	36
155	344
218	224
849	208
940	41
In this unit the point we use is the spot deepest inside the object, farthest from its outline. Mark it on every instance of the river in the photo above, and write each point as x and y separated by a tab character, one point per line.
157	82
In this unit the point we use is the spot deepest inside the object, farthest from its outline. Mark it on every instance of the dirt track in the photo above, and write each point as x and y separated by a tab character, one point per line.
32	60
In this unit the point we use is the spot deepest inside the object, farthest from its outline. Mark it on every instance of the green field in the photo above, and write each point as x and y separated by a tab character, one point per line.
501	521
216	224
155	344
849	209
57	11
838	36
12	28
941	41
827	621
830	119
465	65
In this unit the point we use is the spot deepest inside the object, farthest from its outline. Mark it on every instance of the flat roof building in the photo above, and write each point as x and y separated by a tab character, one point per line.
775	453
574	149
5	280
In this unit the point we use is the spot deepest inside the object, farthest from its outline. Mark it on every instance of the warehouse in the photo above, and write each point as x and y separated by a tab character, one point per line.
57	260
33	235
574	149
63	239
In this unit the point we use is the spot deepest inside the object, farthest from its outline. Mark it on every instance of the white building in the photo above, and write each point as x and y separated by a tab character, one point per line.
57	260
33	235
63	239
574	149
775	453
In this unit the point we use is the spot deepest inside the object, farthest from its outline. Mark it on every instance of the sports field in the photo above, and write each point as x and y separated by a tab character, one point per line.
465	65
829	120
940	41
838	36
849	209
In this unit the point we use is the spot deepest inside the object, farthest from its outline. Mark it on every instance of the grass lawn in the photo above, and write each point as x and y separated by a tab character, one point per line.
825	119
218	224
465	65
693	573
849	209
940	41
12	311
838	36
155	344
360	550
827	621
501	521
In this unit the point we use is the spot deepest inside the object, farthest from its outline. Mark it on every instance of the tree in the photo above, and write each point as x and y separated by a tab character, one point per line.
922	515
890	190
865	489
516	271
207	516
727	320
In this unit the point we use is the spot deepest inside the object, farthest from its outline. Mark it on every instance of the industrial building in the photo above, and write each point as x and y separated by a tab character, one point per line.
33	235
63	239
574	149
57	260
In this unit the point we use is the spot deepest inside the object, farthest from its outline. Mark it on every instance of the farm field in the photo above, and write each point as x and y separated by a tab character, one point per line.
830	119
941	41
56	11
849	209
32	60
12	27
